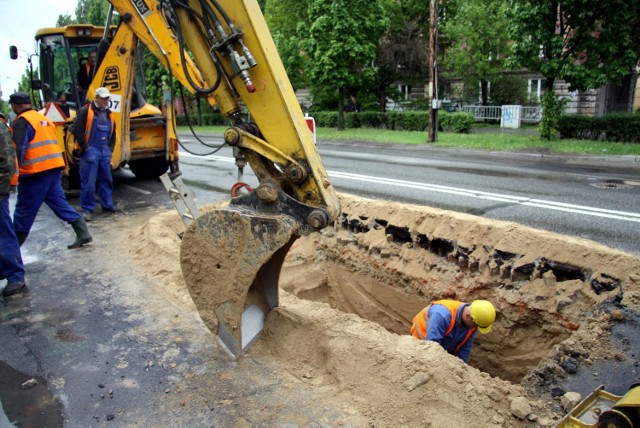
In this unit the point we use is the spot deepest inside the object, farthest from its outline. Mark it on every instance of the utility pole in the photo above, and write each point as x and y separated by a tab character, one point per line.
433	75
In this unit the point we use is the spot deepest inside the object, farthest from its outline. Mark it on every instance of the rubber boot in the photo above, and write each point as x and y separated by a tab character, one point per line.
82	234
21	237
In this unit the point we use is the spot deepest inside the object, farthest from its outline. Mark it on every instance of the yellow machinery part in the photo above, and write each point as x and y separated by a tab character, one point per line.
603	409
231	262
231	258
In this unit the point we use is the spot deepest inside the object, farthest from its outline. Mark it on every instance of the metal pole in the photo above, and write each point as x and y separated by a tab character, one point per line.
433	68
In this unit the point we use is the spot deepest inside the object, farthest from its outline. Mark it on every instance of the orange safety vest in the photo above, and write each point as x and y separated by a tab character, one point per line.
420	322
90	116
14	177
42	153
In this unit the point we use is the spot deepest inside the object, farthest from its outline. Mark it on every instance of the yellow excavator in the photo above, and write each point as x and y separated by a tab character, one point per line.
223	51
602	409
145	137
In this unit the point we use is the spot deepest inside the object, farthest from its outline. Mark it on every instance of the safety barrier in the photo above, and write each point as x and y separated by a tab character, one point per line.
528	114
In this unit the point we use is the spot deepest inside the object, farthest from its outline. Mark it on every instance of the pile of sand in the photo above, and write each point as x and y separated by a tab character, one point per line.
350	292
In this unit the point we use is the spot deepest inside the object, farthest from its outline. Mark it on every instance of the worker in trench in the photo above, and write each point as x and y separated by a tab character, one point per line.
454	324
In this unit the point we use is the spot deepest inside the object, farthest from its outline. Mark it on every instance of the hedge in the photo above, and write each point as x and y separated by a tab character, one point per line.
619	127
408	121
208	119
460	122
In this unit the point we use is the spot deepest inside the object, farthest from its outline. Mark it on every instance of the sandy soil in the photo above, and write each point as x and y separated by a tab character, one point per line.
348	294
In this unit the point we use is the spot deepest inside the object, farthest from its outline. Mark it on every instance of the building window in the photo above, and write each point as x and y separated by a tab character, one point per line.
536	88
405	90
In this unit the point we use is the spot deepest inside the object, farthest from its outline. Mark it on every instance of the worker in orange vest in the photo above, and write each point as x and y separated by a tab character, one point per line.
85	74
453	324
40	166
11	266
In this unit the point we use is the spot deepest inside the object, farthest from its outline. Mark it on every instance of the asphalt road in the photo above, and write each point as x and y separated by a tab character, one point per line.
593	197
94	342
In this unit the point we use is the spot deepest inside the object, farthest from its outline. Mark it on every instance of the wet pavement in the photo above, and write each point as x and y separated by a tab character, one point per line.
107	348
26	400
616	375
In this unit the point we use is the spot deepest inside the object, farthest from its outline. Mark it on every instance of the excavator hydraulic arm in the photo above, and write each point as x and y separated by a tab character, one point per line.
231	257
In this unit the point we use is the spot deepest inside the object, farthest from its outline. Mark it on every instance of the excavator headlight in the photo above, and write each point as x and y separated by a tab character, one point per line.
83	32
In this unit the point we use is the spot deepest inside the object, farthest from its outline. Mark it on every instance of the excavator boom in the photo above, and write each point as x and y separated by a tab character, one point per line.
222	50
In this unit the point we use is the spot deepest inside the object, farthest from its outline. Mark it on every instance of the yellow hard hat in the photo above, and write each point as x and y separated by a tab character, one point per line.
483	315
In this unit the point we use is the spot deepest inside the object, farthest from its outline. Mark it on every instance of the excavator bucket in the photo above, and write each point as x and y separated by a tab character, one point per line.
231	260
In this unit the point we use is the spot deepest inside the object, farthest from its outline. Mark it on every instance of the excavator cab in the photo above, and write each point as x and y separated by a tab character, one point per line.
77	59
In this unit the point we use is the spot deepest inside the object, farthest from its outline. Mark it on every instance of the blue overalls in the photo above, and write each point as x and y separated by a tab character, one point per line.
36	189
95	166
11	266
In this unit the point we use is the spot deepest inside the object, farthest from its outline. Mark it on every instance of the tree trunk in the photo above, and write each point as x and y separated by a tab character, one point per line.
341	109
484	96
382	97
433	67
199	111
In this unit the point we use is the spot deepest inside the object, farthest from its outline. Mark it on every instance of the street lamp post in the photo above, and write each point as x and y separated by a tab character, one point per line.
13	53
433	68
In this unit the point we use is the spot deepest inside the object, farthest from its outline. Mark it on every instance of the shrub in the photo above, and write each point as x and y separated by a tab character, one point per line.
621	127
208	119
326	119
372	119
409	120
352	120
611	127
552	108
460	123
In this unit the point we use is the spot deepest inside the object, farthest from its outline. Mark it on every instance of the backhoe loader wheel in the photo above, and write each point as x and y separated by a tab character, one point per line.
145	169
71	182
614	418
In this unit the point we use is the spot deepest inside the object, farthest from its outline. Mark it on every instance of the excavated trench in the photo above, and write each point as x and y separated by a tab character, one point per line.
384	262
560	302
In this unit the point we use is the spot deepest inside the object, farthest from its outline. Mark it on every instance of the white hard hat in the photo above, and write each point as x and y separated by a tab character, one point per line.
103	93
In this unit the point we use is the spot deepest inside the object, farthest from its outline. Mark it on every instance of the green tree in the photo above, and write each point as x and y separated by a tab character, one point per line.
64	20
584	42
25	81
91	12
477	45
341	44
402	52
286	20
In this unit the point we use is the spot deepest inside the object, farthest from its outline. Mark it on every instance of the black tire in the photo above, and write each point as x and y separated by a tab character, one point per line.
145	169
71	182
615	418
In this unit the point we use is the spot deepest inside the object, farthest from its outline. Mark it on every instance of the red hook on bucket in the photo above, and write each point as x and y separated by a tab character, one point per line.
235	189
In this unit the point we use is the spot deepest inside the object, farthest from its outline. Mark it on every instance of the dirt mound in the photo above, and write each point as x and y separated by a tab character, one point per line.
351	292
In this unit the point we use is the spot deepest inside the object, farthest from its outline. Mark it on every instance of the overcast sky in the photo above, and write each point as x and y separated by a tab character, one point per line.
19	21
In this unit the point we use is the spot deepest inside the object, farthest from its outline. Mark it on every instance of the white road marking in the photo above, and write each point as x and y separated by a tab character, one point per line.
518	200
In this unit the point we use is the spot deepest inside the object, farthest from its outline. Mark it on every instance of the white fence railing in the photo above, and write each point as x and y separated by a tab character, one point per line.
529	114
484	112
